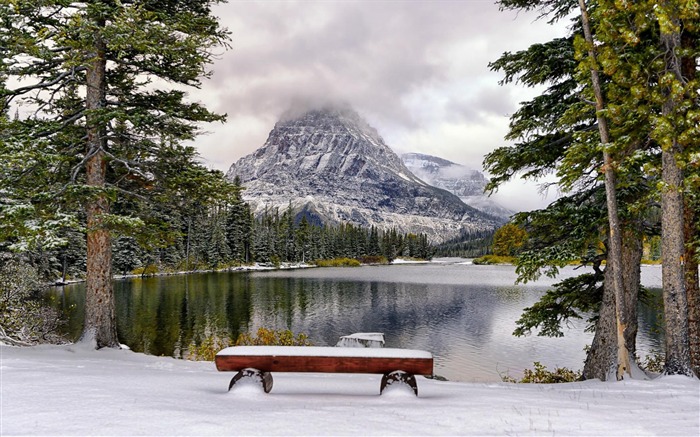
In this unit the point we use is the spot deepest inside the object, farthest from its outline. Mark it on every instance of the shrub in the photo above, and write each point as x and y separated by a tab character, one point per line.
272	337
373	259
150	269
213	343
337	262
540	375
654	362
493	259
208	348
24	319
191	265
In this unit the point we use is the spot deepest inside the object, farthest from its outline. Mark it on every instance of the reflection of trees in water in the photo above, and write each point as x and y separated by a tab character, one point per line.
164	315
69	301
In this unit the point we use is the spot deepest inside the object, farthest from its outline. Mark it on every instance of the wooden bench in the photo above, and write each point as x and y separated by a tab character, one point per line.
397	365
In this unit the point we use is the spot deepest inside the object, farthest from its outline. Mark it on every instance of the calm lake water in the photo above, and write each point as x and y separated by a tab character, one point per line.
464	314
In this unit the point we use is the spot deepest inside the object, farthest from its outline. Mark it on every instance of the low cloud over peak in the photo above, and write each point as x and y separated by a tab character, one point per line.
417	70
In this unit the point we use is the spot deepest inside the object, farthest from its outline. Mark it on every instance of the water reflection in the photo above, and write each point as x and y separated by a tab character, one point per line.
464	315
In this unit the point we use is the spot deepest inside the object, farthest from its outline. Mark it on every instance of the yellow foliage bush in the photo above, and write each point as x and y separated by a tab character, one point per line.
272	337
212	344
150	269
208	348
337	262
493	259
540	375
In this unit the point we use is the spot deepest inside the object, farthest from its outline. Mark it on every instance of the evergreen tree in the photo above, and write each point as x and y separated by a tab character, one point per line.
303	241
112	52
556	131
640	58
218	251
126	254
373	248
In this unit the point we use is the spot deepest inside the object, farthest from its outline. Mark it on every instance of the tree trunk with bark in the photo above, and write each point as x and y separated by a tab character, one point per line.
692	288
615	237
672	269
601	361
689	66
672	230
100	315
632	250
602	357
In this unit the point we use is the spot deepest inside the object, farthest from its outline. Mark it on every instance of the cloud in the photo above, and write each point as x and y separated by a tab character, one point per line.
416	70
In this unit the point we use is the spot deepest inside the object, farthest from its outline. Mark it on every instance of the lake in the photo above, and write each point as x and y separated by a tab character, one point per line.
464	314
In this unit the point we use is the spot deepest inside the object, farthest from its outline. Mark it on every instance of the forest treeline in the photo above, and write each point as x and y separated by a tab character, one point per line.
223	233
467	245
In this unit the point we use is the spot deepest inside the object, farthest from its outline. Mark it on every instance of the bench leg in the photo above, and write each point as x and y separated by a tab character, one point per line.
265	378
401	377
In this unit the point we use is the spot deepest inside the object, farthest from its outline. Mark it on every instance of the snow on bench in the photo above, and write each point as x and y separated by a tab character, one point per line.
397	365
362	339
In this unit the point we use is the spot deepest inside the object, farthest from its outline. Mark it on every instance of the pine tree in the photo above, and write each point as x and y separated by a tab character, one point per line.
112	51
558	131
218	251
672	132
303	240
615	230
647	77
373	248
126	254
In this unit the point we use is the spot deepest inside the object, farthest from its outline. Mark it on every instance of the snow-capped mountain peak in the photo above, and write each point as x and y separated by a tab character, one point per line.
468	184
332	164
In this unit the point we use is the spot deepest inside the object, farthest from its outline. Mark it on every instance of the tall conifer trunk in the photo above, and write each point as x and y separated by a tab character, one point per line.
692	286
614	257
100	319
672	231
602	356
689	41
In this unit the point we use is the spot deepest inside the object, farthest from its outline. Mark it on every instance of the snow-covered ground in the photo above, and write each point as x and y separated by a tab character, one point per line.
409	261
73	390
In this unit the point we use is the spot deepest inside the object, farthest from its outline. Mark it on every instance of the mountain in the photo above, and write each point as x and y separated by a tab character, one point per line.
334	167
459	180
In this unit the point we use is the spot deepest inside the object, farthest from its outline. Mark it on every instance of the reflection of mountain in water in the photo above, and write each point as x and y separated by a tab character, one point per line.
407	313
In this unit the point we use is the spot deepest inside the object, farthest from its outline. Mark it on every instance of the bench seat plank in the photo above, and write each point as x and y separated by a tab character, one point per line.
324	359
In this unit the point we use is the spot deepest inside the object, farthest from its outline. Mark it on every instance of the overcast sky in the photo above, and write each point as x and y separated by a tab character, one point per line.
416	70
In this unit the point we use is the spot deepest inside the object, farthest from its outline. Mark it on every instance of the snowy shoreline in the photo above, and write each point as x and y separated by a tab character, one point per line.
243	268
74	390
256	267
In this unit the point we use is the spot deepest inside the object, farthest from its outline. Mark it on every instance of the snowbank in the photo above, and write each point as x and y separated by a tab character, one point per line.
409	261
255	267
72	390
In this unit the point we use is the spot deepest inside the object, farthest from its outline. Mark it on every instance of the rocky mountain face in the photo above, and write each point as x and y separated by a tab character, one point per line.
334	167
459	180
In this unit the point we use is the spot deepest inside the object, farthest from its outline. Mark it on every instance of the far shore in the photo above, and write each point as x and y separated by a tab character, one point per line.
242	268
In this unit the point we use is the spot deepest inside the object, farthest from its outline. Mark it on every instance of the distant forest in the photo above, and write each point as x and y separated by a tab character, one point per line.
467	245
228	234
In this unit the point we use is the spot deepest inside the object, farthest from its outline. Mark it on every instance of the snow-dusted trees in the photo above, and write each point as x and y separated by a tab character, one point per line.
239	226
93	116
644	56
23	318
